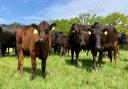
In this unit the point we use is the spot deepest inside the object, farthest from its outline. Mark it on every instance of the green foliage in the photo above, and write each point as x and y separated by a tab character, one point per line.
116	19
63	25
15	24
119	20
61	74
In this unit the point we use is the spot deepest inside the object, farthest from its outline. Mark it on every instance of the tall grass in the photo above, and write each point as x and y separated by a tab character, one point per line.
61	74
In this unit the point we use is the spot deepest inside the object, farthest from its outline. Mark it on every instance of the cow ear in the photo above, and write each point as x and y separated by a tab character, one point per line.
35	26
105	32
52	26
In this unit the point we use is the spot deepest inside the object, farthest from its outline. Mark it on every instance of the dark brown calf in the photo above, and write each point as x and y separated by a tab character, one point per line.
37	40
103	39
75	40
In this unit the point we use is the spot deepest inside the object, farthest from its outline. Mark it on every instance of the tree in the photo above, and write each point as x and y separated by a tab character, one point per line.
15	24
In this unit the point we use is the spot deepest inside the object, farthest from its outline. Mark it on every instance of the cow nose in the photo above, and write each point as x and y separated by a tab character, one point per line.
98	47
41	40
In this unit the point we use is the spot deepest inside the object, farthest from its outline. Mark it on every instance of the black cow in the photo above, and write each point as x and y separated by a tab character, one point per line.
56	36
75	40
103	39
63	43
7	38
122	38
59	43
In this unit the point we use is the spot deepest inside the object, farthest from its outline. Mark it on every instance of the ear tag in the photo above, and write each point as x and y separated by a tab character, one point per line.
89	33
35	31
53	28
105	33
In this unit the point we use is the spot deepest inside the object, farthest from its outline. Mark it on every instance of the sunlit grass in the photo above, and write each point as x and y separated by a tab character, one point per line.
61	74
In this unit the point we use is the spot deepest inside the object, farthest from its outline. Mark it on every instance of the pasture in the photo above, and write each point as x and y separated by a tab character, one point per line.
61	74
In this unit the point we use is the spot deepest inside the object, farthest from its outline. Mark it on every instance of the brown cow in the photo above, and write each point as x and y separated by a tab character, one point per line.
37	40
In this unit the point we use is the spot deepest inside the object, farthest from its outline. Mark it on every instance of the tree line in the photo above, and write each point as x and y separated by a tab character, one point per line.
119	20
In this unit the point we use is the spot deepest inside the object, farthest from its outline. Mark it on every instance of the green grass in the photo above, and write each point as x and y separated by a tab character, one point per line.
61	74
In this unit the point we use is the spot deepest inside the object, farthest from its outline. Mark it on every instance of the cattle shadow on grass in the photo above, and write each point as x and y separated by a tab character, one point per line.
123	59
37	71
126	68
85	63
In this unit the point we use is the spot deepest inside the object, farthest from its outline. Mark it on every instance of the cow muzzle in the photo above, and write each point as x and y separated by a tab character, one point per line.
41	40
98	47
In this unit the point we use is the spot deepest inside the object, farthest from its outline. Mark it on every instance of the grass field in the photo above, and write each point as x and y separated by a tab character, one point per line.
61	74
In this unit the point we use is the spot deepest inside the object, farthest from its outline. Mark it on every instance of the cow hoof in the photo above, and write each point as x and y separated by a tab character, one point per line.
43	77
72	62
93	69
19	71
31	78
99	66
78	65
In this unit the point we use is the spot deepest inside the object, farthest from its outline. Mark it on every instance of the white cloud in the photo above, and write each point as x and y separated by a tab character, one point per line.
27	1
2	20
30	19
33	17
75	7
4	10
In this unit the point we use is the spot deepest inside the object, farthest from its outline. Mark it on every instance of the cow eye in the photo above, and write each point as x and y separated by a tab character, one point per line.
89	32
105	33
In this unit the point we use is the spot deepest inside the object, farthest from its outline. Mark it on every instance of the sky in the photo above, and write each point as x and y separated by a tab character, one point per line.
34	11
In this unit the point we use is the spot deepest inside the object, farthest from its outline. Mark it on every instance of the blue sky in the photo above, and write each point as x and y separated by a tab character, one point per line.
34	11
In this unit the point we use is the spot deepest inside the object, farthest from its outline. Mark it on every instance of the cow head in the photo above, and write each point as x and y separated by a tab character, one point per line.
95	34
122	38
76	33
44	30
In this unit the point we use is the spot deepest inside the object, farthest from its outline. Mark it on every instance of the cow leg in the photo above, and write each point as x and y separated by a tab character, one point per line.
116	49
3	51
61	51
68	50
15	51
87	52
33	63
110	55
8	50
43	67
77	56
20	61
94	60
118	53
72	53
100	59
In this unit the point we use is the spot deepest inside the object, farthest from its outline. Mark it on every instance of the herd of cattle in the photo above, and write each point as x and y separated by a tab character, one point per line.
40	41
